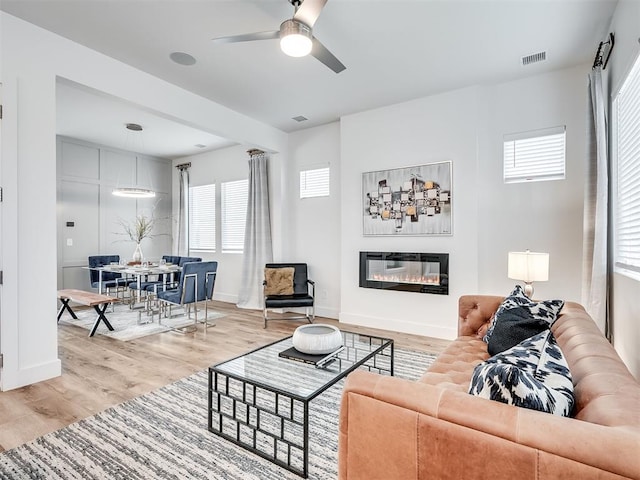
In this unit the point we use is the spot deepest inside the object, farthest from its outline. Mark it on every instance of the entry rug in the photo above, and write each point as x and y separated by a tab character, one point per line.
130	324
163	435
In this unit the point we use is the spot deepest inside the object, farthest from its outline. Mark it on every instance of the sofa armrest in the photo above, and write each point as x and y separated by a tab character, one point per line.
475	312
395	428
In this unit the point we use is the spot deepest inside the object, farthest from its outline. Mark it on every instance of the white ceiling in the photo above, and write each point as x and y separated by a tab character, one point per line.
393	50
100	118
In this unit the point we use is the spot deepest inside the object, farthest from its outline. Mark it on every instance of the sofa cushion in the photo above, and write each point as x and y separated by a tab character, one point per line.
534	374
518	318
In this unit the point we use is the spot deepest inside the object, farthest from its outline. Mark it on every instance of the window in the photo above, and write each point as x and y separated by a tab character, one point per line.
626	149
234	215
202	217
534	156
314	183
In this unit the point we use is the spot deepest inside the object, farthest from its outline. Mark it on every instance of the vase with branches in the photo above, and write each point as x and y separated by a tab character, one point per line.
138	230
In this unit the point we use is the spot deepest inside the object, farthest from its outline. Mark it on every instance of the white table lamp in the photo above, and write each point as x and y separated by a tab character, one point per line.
528	267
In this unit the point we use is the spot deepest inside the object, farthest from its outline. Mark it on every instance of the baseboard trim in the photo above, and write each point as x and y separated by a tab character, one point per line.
27	376
225	297
398	325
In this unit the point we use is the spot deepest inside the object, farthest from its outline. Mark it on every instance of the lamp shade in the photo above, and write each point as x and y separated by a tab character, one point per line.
528	266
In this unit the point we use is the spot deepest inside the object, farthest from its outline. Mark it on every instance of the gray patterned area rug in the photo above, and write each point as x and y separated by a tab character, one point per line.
130	324
163	435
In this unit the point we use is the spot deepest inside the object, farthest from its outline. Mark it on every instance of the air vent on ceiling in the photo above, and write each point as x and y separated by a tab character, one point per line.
300	118
199	145
534	58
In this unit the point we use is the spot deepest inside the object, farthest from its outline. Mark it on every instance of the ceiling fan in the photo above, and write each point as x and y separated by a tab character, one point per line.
295	34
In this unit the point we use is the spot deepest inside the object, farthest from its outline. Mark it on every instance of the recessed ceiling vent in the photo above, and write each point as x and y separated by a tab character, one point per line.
534	58
300	118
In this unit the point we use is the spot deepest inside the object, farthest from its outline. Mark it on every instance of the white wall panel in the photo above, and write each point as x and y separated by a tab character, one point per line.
113	210
79	204
153	174
117	168
76	277
80	161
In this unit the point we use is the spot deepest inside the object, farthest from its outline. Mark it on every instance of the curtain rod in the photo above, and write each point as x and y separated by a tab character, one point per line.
182	166
599	61
254	151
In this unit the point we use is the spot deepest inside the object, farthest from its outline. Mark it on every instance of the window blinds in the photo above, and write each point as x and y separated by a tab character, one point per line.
202	217
535	156
234	215
626	123
314	183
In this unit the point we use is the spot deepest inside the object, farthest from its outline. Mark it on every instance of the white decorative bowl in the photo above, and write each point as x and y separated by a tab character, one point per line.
317	339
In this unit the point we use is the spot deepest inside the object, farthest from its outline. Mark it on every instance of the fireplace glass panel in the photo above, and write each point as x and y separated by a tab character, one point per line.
404	271
411	272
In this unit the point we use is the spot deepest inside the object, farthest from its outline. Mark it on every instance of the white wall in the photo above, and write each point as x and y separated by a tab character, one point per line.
625	291
539	216
432	129
224	165
32	58
489	218
315	222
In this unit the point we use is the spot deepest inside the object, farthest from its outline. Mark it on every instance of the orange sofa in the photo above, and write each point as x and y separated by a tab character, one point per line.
391	428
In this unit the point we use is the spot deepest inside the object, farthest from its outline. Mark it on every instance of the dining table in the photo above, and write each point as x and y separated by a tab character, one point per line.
138	271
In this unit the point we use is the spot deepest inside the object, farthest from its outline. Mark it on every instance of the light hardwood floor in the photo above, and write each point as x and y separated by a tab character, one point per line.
100	372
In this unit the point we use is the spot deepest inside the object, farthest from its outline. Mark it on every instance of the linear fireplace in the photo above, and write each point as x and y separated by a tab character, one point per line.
410	272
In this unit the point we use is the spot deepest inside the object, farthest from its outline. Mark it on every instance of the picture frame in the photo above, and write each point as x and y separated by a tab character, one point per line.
408	201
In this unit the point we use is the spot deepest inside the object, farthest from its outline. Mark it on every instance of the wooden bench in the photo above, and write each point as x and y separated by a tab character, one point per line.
96	300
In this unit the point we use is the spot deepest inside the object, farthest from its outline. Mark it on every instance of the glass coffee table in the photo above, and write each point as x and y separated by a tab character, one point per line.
260	400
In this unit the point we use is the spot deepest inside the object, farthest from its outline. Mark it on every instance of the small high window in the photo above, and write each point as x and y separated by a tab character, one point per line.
535	156
314	183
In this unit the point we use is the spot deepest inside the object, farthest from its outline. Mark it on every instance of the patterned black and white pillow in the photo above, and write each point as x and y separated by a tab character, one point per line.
534	374
518	318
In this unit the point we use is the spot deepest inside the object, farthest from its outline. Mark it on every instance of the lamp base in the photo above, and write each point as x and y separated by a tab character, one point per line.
528	289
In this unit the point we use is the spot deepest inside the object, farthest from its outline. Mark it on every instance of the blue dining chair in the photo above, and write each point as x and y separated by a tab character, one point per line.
164	281
109	280
195	286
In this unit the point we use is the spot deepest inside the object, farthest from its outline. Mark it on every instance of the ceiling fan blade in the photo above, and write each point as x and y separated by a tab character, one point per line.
325	56
309	11
248	37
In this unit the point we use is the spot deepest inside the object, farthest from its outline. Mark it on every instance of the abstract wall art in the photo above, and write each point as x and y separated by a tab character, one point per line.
408	201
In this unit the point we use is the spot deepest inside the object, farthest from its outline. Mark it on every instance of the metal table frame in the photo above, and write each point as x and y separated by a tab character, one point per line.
137	273
260	417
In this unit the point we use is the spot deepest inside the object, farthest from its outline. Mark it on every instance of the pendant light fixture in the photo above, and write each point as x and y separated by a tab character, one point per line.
133	192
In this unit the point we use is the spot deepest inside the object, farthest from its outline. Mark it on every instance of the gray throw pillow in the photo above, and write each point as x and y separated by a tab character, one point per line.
533	374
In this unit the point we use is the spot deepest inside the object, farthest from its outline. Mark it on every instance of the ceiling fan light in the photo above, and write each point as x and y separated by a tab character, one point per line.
295	38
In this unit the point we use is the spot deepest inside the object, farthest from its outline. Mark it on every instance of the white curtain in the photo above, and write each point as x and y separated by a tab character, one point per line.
595	288
182	234
257	238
